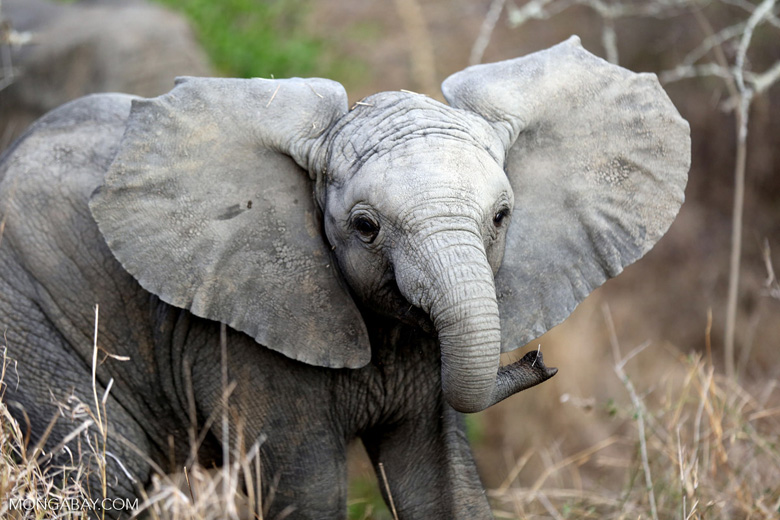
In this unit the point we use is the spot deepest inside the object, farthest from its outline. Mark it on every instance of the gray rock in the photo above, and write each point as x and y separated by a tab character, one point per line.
90	47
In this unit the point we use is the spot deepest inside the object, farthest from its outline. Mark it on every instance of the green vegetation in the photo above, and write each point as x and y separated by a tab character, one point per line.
257	38
475	428
366	501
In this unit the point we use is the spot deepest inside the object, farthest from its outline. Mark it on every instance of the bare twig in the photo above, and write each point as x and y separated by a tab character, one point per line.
712	41
695	71
744	98
762	82
486	31
638	406
750	8
608	11
609	40
771	283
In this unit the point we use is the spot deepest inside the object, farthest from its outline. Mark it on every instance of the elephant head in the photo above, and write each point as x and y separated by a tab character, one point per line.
269	206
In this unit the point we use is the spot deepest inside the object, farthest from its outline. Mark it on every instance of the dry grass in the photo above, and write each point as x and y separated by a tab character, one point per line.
698	446
32	487
24	474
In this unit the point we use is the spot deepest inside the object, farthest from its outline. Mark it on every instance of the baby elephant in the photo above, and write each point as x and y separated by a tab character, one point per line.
371	264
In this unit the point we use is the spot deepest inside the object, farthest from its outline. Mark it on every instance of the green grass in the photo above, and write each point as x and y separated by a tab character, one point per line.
253	38
367	502
268	38
256	38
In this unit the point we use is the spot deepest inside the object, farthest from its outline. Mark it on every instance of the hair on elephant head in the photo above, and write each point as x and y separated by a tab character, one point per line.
269	206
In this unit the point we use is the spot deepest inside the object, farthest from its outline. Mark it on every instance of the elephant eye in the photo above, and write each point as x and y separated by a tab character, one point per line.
367	229
499	217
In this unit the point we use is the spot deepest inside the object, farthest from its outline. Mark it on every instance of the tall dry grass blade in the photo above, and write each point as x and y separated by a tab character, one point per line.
226	467
189	484
258	480
516	469
44	437
576	458
549	507
94	368
192	412
387	489
681	463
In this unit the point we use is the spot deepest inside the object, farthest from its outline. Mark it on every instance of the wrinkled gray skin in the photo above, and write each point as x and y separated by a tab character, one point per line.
354	255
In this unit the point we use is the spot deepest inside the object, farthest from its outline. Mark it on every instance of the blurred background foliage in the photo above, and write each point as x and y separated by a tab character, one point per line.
262	38
250	38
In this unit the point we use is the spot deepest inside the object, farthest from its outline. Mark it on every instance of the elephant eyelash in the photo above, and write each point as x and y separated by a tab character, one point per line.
500	216
366	228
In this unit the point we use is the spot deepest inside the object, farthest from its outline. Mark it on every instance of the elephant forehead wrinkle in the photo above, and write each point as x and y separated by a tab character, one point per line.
391	120
383	140
434	213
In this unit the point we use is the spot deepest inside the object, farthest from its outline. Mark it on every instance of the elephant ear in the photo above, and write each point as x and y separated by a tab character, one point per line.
209	206
597	157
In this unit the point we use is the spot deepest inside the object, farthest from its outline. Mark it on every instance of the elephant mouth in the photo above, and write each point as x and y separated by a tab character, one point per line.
388	301
411	314
417	317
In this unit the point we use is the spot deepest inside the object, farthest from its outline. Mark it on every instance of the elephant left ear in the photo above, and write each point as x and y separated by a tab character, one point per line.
209	204
597	157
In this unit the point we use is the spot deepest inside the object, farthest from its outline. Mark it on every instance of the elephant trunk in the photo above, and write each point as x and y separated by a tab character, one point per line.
466	320
456	288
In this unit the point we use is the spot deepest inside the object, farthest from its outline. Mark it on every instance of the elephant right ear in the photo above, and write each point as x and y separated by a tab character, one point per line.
209	206
598	160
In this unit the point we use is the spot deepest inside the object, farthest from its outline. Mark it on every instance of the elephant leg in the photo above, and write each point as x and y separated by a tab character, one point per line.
286	405
429	467
306	481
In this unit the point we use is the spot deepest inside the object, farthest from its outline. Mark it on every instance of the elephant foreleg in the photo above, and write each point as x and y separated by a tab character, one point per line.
429	467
